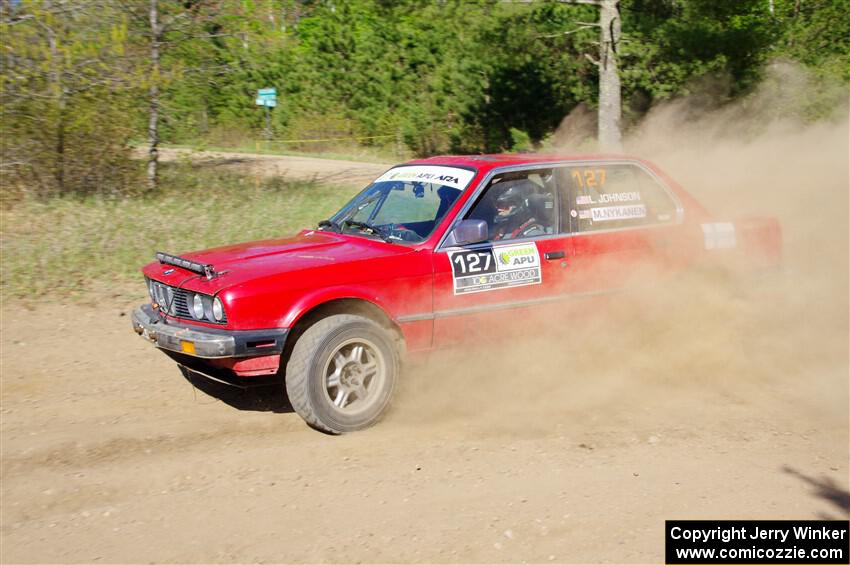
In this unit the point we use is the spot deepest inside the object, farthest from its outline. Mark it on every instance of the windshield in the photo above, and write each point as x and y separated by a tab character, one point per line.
404	205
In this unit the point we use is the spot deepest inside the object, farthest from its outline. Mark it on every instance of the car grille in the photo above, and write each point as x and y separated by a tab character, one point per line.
178	301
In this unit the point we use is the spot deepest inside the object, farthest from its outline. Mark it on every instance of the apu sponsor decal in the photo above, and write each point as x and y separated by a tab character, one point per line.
609	213
517	257
446	176
492	268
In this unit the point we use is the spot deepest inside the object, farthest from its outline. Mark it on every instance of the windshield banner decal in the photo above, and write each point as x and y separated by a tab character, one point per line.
505	266
446	176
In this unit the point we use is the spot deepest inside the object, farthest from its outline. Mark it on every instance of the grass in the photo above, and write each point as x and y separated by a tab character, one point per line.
67	246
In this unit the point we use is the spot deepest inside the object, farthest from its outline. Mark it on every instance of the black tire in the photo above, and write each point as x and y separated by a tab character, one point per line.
327	353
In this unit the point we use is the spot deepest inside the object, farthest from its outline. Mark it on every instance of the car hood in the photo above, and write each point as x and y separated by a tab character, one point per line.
236	264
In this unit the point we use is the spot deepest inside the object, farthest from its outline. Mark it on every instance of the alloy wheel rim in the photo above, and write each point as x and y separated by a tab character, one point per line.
354	375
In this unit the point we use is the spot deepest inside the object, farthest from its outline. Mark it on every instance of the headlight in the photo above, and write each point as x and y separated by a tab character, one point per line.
198	307
218	309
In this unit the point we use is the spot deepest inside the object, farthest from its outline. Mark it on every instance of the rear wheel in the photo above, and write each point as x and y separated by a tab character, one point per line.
342	373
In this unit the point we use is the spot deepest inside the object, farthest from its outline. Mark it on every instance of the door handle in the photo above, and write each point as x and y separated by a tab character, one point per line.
552	255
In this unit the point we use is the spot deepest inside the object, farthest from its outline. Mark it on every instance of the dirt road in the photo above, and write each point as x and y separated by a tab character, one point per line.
110	455
705	401
286	166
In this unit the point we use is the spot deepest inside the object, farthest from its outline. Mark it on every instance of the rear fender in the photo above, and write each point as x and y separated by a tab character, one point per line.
760	241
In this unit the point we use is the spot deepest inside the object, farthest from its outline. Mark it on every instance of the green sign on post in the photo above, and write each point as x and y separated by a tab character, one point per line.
267	97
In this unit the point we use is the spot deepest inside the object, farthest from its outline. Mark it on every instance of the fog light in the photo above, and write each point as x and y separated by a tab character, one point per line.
187	347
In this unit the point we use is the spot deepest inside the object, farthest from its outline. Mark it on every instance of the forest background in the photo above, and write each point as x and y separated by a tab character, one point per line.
83	83
93	92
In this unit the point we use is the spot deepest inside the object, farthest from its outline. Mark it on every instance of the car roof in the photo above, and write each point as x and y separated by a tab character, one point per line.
485	163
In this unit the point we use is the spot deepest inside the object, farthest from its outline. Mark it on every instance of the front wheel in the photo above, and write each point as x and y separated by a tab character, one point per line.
342	373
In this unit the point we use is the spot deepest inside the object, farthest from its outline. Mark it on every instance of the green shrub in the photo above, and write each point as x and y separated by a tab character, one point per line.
520	141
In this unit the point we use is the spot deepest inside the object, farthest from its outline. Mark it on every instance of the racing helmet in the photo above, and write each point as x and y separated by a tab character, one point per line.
511	199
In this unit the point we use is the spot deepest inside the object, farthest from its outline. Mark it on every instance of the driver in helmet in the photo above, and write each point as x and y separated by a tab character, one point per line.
514	219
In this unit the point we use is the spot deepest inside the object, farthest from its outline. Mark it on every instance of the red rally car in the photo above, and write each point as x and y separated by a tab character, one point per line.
417	261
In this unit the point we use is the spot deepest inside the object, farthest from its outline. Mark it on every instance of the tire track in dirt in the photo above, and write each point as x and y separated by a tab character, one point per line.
79	455
106	448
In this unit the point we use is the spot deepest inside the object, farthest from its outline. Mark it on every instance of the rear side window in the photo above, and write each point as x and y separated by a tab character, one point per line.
603	197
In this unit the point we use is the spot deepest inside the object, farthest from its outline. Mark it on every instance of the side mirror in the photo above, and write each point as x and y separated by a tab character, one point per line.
467	232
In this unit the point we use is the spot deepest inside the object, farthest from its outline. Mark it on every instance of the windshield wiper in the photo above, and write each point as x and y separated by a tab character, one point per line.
335	227
368	228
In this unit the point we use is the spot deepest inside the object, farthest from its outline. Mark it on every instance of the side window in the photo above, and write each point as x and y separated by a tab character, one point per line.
519	204
614	196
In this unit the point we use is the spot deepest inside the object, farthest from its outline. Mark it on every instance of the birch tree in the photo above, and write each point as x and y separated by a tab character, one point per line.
167	28
156	34
610	110
610	96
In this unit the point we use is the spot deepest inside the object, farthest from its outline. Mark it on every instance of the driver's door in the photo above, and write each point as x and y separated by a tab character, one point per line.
497	287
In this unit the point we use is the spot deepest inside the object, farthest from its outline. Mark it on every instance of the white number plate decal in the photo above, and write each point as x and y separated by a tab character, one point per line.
492	268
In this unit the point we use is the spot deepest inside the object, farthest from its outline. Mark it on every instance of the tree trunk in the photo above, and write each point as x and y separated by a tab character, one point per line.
610	105
205	118
58	91
153	95
60	146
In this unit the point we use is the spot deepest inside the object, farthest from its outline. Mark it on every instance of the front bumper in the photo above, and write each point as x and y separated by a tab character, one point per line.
206	343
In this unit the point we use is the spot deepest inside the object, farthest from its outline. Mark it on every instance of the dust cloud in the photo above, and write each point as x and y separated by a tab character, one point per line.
711	352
